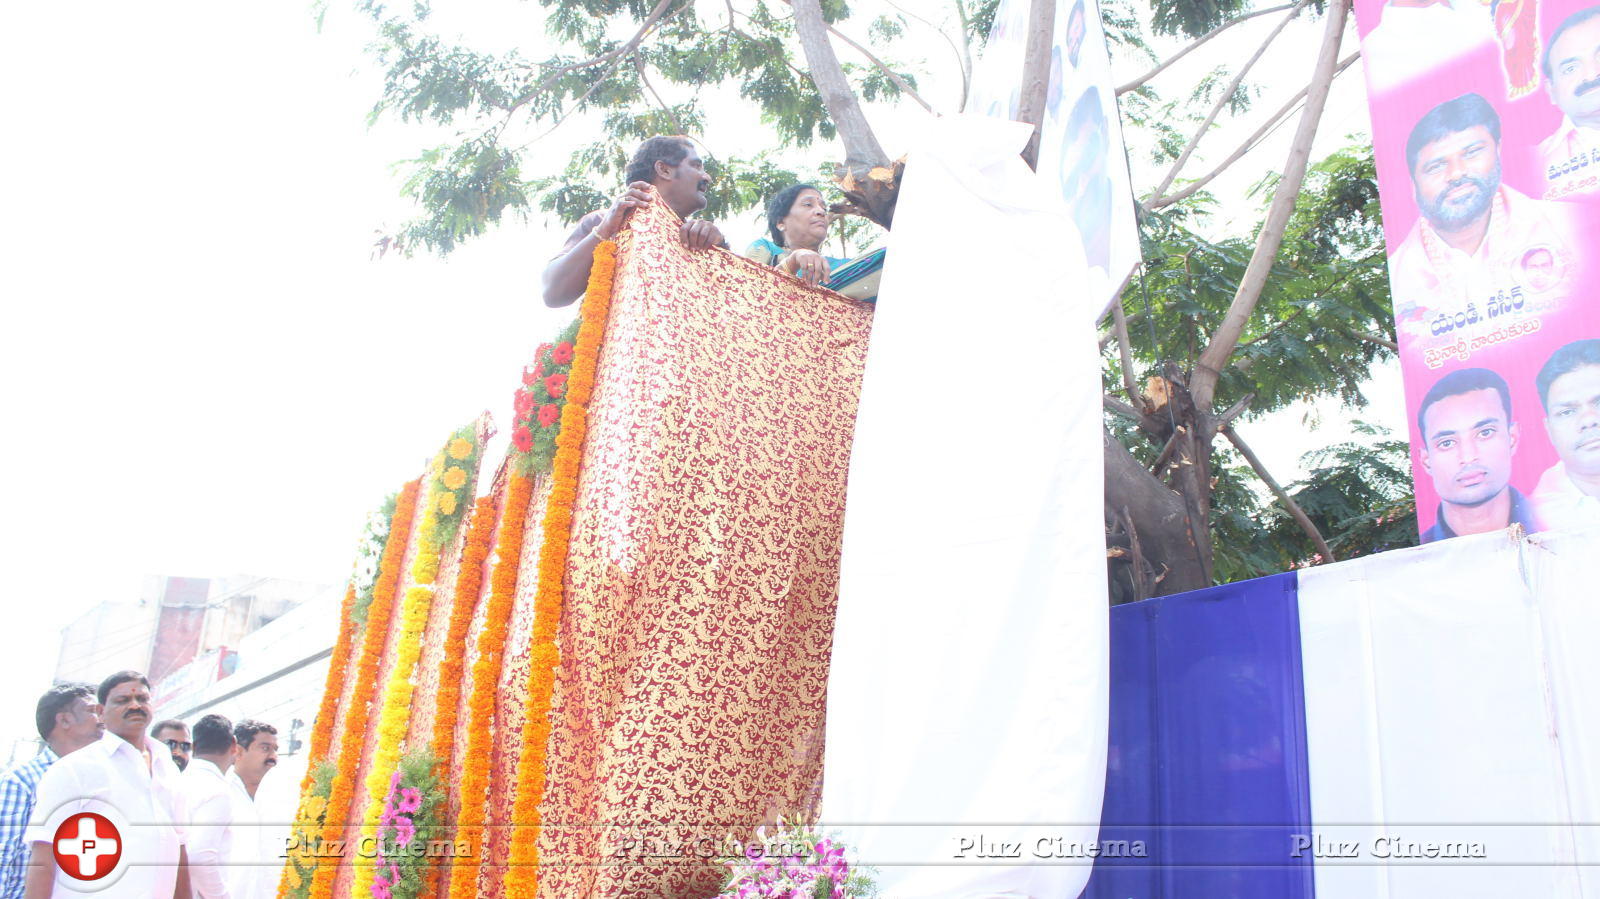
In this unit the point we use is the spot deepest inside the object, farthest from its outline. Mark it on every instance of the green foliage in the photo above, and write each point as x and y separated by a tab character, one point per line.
369	552
406	872
1192	18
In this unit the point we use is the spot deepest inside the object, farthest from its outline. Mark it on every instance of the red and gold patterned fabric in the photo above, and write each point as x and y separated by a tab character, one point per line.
703	570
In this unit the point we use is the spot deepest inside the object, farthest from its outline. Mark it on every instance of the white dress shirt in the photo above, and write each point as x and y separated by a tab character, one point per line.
113	772
218	823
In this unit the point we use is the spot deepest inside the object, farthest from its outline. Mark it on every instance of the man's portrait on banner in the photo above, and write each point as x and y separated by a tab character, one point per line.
1481	254
1571	156
1568	494
1469	439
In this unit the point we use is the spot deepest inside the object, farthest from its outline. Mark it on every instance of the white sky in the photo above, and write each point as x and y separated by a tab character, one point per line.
206	374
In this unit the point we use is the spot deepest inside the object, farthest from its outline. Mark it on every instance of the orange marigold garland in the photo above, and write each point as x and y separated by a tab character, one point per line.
522	878
342	796
469	578
321	735
485	686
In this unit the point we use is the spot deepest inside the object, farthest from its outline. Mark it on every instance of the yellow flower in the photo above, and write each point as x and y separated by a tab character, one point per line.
460	448
454	478
447	503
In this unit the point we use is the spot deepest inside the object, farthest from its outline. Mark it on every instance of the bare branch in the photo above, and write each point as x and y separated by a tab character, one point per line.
1036	72
1123	409
1246	146
1119	327
966	49
1226	96
899	82
1295	512
1203	384
861	147
1234	411
1380	341
962	64
1139	82
638	63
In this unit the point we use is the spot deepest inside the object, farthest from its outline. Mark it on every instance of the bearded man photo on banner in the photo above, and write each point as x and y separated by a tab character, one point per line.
1475	232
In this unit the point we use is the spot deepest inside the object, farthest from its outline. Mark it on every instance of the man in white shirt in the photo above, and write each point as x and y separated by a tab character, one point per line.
1568	494
125	773
1571	155
218	820
257	754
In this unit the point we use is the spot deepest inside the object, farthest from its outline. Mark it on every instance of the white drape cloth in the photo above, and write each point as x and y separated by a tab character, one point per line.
967	699
1453	697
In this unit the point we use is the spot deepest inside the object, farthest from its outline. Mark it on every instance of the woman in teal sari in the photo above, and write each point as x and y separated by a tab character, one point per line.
798	220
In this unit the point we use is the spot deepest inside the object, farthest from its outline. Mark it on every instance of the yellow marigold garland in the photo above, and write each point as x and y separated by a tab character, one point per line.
469	578
395	716
321	736
485	685
342	795
522	877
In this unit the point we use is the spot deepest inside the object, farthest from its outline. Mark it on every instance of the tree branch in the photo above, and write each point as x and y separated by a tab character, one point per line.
1246	146
1139	82
1225	98
1119	326
1384	342
1295	512
638	63
899	82
962	64
650	22
1123	409
1036	72
861	147
1203	383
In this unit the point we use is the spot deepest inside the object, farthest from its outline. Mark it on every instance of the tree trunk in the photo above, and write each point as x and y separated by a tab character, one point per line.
861	148
1160	519
1036	72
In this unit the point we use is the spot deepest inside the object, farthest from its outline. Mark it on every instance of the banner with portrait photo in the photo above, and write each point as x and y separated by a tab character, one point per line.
1081	155
1486	128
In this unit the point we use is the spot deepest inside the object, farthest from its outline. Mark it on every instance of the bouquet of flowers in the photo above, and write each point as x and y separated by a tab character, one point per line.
795	862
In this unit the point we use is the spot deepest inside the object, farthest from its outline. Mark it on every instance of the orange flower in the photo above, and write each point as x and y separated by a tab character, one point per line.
522	874
485	681
469	580
366	670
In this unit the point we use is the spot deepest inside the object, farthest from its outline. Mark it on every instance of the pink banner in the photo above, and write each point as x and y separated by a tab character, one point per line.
1486	125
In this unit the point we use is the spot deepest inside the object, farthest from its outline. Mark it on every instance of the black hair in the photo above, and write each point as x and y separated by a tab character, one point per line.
1577	18
213	734
1466	111
1086	112
55	701
121	677
1565	361
245	731
1464	381
165	723
661	148
780	204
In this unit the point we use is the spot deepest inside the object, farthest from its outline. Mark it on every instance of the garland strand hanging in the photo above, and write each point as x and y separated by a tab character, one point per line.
485	686
342	795
522	876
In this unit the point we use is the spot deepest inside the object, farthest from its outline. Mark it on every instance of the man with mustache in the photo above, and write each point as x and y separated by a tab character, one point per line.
1468	440
1461	262
1568	494
175	734
1572	79
676	171
128	773
262	861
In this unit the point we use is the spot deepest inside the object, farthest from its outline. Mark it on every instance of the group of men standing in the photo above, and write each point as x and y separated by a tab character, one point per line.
175	813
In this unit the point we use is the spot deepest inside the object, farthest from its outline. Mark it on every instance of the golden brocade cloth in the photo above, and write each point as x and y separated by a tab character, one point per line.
703	571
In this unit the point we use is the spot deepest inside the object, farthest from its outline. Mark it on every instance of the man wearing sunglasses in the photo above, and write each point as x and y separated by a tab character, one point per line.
175	734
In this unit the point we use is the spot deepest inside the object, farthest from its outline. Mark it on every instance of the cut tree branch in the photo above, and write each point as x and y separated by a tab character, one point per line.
1203	384
1139	82
1295	512
889	73
1225	98
861	147
1246	146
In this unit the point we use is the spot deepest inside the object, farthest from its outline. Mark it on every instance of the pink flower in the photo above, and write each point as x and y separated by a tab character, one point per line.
404	832
410	801
381	887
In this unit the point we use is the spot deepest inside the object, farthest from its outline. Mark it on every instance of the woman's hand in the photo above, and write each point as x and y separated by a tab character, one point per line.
808	265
